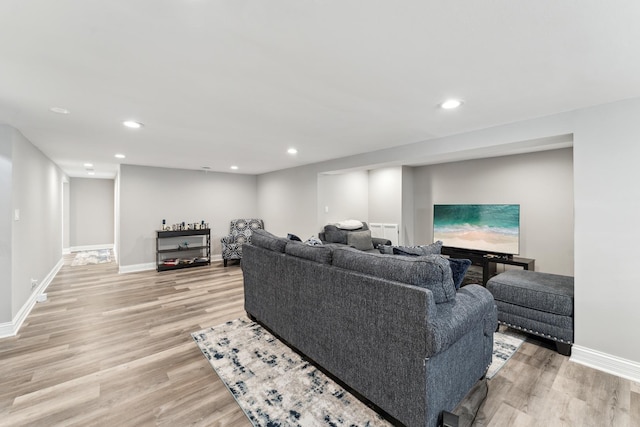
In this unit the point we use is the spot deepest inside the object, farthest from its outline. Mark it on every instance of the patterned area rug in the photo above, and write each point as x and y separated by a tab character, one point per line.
505	344
92	257
274	386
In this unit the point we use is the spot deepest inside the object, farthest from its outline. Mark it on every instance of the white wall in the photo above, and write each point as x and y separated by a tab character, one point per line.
541	183
116	216
288	201
385	196
148	195
343	196
6	222
66	217
407	232
607	207
91	206
37	235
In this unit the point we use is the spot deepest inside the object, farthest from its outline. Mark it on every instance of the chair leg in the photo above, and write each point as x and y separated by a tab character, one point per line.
225	262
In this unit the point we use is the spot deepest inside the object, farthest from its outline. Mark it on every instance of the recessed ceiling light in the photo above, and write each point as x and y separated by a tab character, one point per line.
59	110
132	124
91	173
292	151
88	165
450	104
234	167
120	156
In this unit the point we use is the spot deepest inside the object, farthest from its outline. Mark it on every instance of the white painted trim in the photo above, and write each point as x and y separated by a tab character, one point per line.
134	268
91	247
605	362
10	329
66	251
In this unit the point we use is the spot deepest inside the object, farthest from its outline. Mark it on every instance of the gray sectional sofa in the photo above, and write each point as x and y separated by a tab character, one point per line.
392	328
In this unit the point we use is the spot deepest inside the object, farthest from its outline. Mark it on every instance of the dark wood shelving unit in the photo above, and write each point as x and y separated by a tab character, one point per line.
190	256
488	261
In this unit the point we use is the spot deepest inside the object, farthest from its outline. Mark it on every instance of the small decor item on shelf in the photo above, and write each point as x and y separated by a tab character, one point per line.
183	226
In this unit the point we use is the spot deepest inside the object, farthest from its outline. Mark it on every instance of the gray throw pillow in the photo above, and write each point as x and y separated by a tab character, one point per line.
360	240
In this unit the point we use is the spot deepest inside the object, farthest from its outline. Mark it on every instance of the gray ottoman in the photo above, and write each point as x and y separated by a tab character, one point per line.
537	303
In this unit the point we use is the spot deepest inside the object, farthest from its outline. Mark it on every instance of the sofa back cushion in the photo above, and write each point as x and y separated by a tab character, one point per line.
266	240
430	271
333	234
432	249
321	254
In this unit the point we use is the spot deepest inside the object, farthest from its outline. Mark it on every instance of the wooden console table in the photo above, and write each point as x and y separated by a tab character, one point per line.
489	268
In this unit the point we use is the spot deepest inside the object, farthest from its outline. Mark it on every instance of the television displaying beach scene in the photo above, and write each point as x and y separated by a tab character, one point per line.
490	228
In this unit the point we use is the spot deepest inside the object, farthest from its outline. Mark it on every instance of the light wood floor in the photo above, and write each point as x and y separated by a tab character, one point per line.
115	350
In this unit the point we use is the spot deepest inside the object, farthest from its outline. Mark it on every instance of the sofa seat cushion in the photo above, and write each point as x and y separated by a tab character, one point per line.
431	271
551	293
334	234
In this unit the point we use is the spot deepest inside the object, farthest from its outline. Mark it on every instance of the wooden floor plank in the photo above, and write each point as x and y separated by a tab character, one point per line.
115	349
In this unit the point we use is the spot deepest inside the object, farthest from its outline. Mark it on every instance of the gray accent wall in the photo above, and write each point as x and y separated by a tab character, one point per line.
91	212
149	194
541	183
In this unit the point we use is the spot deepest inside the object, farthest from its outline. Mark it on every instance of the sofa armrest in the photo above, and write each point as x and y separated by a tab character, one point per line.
473	307
380	241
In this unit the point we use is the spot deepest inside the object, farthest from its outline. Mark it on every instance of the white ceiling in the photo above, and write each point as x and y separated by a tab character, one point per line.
237	82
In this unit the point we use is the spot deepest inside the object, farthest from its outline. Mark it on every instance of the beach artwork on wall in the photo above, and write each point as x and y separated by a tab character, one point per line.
490	228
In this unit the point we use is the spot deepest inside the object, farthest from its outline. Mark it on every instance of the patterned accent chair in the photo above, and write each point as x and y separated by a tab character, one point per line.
239	232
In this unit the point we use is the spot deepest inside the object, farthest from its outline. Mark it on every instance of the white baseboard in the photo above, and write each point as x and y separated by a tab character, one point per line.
134	268
10	329
66	251
91	247
605	362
